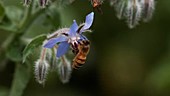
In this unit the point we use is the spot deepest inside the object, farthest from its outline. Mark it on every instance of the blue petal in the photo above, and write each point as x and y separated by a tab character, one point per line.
62	48
82	37
53	41
73	29
88	21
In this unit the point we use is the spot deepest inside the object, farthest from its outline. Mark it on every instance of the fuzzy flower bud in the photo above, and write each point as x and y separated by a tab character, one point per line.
120	7
26	2
43	3
51	58
130	10
112	2
41	68
64	70
148	9
133	13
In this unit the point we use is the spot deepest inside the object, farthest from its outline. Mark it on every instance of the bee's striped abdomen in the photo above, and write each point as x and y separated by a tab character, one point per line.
78	62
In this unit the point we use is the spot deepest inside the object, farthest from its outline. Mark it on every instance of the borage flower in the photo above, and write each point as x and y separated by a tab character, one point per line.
71	37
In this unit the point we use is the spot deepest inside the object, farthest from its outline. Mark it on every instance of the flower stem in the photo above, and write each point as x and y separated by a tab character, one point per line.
43	54
63	60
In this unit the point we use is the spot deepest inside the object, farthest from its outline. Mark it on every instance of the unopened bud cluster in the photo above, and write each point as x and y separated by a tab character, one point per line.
134	10
47	62
42	3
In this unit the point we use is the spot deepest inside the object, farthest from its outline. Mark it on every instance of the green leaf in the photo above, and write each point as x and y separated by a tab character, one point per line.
36	42
40	26
21	78
17	3
14	52
14	14
2	12
8	28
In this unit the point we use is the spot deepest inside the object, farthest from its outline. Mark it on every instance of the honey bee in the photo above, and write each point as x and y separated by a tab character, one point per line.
97	5
81	52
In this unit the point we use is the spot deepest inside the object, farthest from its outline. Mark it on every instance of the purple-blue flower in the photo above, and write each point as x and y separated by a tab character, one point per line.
72	37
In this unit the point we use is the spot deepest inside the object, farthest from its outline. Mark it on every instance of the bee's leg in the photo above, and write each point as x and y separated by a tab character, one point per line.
74	66
77	65
99	9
